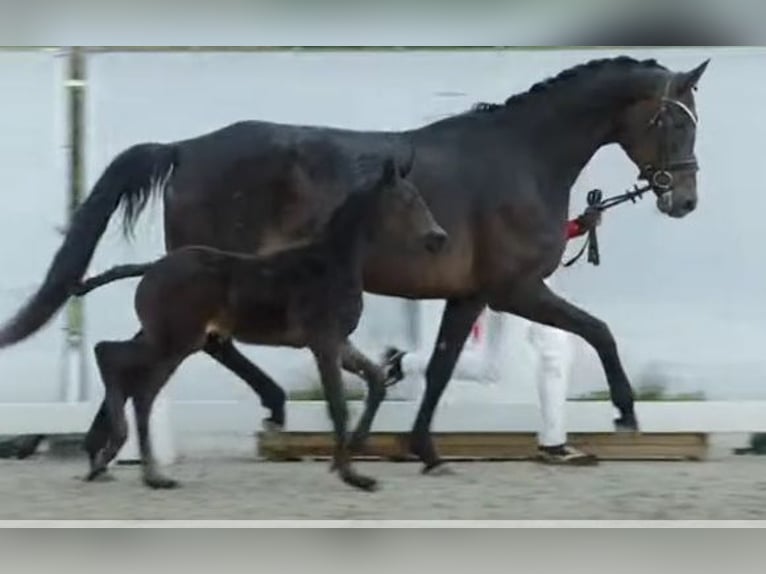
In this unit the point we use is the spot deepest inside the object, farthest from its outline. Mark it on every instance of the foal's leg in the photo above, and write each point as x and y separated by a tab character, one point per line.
271	394
459	316
329	364
98	434
109	430
538	303
100	429
354	361
143	398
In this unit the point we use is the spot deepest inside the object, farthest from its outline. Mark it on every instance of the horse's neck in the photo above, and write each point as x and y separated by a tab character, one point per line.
555	145
575	124
563	146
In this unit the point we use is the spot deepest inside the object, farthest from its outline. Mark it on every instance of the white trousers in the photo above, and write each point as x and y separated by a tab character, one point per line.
160	433
554	352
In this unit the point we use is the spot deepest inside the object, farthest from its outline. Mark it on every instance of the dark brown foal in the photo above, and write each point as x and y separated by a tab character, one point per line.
310	296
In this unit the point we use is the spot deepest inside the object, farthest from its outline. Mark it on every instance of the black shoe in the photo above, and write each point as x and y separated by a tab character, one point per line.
565	455
392	365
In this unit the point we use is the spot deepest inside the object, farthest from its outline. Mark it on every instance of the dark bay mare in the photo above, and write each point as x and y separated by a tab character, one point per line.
308	296
497	178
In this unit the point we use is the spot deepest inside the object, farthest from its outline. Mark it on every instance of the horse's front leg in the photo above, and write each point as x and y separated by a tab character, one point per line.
457	320
536	302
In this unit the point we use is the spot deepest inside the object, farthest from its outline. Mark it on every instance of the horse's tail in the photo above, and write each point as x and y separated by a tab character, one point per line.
129	181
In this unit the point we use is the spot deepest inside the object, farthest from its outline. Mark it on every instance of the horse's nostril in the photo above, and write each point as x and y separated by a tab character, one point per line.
690	204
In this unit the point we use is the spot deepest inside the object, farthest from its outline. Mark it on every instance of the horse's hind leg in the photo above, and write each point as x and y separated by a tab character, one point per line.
329	364
354	361
143	398
271	394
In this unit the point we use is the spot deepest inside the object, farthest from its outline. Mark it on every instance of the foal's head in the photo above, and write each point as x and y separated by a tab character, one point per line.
400	213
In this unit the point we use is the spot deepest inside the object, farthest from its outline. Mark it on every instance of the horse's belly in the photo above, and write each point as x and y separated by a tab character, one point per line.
421	275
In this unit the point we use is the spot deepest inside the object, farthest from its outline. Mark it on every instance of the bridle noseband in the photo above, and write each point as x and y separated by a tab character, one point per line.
660	177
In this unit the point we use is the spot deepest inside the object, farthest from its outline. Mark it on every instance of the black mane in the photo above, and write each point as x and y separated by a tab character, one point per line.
567	76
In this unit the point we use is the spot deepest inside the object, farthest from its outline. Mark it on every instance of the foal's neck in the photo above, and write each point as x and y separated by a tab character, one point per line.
346	234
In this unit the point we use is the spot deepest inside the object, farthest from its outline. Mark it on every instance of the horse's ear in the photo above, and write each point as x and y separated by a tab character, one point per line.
686	81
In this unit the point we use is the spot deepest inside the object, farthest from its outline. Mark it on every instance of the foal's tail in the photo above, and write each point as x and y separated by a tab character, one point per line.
129	181
114	274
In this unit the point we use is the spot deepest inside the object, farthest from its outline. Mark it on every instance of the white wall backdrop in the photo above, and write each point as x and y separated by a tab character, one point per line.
32	207
683	298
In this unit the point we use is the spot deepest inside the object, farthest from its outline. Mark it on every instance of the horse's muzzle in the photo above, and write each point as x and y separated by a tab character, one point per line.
673	207
665	202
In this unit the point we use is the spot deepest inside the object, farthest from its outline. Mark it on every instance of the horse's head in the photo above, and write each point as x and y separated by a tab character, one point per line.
658	133
402	213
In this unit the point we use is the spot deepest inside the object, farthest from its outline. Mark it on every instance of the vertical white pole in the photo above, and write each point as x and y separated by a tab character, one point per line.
74	381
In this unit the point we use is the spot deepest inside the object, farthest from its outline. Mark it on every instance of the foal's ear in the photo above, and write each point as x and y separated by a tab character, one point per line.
406	166
686	81
389	173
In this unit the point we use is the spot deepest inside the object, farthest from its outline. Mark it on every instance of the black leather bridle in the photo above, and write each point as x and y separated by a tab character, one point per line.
660	176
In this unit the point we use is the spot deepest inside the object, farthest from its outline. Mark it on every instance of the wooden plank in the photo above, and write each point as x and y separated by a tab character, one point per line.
491	446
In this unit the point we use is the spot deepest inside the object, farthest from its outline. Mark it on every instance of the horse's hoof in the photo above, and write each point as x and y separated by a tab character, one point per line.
161	483
626	424
438	468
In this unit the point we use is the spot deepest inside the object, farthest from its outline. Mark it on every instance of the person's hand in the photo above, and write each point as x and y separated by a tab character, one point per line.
590	219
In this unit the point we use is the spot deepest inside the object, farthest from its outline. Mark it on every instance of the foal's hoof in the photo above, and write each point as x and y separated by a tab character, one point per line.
627	423
366	483
101	477
392	366
161	482
98	474
438	468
